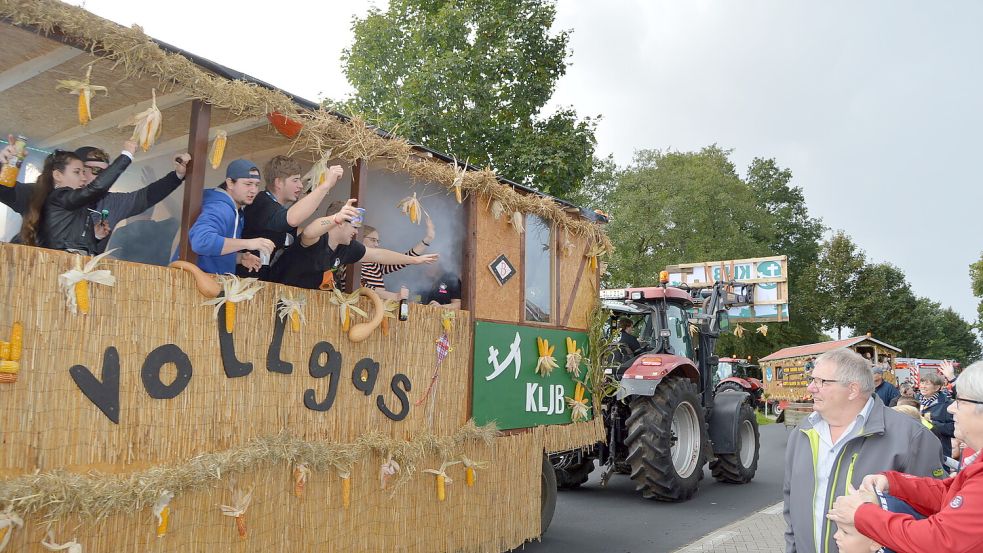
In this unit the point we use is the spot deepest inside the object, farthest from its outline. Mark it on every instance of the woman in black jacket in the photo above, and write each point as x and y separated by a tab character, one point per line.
58	216
934	403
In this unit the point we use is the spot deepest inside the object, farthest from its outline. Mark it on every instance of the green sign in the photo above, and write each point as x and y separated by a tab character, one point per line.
507	388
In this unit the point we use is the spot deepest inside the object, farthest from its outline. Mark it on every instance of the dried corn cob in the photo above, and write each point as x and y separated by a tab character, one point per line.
346	489
84	90
318	173
546	363
5	351
442	479
294	321
230	316
9	367
218	149
146	125
162	511
517	222
470	470
16	341
82	296
410	206
300	479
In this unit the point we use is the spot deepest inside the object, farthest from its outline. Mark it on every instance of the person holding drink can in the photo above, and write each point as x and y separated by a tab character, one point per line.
277	211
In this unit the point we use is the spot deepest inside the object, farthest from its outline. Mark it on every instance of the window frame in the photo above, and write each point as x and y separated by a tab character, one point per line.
553	274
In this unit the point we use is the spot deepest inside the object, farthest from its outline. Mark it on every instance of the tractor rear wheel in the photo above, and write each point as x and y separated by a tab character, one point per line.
739	467
667	441
730	386
547	495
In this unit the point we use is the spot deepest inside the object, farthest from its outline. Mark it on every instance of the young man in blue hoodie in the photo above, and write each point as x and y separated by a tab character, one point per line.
216	236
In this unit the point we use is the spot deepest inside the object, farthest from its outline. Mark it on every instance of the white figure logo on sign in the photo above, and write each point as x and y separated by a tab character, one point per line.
514	357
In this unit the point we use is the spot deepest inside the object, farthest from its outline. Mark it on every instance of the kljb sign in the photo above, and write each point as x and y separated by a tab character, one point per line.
507	388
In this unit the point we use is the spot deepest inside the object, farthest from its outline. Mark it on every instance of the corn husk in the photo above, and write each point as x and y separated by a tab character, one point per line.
458	180
85	91
388	469
146	125
160	511
67	280
579	407
762	330
69	546
288	305
300	473
517	223
8	520
739	331
318	173
347	304
470	468
236	290
497	209
410	206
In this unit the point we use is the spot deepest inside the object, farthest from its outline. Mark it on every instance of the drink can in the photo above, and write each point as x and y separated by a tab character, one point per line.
360	218
264	258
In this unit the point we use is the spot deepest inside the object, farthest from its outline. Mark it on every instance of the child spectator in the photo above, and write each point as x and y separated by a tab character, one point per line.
216	236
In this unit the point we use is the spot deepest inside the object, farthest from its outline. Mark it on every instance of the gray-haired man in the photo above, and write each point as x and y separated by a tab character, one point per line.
851	434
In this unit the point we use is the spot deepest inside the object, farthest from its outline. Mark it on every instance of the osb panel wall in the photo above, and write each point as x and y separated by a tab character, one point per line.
493	301
578	284
500	512
47	422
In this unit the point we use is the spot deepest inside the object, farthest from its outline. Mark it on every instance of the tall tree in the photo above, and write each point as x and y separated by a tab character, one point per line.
976	277
471	77
883	304
839	266
672	207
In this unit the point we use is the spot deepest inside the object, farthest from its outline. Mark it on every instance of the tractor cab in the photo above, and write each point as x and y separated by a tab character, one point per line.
661	316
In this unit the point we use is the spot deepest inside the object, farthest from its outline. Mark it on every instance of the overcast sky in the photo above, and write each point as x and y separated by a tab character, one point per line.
875	106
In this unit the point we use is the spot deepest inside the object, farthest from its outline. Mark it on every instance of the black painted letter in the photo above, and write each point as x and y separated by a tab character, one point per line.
103	393
365	374
273	362
227	346
400	392
150	373
331	367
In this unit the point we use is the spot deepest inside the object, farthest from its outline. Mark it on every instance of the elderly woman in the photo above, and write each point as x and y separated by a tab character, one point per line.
953	507
934	404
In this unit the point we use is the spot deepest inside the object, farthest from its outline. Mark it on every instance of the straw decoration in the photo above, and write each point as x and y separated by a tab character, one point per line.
579	410
162	512
574	358
147	124
235	290
410	206
300	474
347	304
69	546
388	469
318	173
240	503
739	331
75	283
762	330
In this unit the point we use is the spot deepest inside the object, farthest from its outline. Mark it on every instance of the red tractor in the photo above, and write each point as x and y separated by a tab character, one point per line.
667	420
740	375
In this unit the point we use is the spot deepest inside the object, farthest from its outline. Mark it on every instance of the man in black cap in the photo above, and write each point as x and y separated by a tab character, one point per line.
119	205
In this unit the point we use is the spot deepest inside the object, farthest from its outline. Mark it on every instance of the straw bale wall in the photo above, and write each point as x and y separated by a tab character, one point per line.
54	437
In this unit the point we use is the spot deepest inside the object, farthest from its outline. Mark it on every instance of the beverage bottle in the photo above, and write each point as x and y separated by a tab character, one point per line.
404	308
8	175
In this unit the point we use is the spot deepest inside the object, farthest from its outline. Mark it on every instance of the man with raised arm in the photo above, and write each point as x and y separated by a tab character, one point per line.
326	245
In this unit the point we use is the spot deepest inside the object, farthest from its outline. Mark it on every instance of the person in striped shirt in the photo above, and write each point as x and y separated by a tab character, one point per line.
372	273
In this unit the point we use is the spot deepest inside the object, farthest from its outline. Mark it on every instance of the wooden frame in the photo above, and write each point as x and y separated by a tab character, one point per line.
194	182
554	318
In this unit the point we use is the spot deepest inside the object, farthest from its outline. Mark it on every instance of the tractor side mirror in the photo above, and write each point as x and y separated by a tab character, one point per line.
724	319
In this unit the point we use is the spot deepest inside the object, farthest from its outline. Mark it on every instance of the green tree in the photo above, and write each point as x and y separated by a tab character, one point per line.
883	304
941	333
976	277
471	77
671	207
838	270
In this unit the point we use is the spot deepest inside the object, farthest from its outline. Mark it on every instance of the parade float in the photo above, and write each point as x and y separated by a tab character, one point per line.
149	408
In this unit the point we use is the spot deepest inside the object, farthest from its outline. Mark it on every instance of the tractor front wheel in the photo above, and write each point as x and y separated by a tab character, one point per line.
739	467
667	441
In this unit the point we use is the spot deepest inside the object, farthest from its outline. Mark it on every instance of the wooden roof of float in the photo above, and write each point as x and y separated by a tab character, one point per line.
823	347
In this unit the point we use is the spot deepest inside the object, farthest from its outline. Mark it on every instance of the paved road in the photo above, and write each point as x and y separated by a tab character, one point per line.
616	519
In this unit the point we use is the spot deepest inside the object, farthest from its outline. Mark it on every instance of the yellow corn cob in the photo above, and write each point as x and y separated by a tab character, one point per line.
346	492
3	532
592	263
441	488
165	515
4	351
82	296
300	480
385	326
241	526
446	323
9	367
347	323
230	316
218	149
457	194
469	476
414	216
578	392
84	115
16	341
294	321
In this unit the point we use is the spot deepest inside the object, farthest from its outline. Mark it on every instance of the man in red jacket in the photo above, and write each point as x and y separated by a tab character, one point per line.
953	508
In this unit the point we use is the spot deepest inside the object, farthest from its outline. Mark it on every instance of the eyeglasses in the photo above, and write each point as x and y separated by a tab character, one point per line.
819	382
94	170
955	397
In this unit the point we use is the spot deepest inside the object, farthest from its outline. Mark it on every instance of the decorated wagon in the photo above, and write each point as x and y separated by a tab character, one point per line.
143	407
785	371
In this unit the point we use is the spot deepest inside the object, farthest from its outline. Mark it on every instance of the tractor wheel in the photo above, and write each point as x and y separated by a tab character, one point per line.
729	386
572	473
667	441
548	495
739	468
776	408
